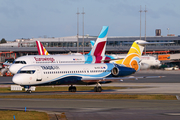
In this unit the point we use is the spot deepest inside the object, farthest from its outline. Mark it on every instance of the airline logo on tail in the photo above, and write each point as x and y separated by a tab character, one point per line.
41	49
100	44
133	57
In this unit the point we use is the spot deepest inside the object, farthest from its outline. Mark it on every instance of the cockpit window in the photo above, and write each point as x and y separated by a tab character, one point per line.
19	62
27	71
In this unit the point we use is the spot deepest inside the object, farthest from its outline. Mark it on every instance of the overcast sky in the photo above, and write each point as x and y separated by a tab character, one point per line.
58	18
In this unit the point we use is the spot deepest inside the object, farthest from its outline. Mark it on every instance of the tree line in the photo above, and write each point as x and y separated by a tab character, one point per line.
3	41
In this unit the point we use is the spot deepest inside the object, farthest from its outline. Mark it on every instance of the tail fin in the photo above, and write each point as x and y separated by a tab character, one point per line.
133	57
92	44
100	45
41	49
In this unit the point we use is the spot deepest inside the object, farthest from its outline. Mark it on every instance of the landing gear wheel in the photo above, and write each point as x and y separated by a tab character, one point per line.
29	91
72	89
97	89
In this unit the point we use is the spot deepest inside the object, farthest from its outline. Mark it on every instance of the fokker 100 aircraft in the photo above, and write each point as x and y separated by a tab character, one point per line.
81	74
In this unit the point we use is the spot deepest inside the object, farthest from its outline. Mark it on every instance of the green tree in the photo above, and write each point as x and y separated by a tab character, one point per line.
3	40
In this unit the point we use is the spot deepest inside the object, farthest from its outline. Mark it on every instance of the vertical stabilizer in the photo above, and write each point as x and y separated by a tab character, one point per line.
133	57
41	49
100	45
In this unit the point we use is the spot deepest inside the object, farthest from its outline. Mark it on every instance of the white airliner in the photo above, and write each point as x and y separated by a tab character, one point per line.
150	61
96	56
75	74
81	74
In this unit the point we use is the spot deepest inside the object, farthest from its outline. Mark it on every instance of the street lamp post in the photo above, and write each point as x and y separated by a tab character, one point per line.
83	29
140	21
77	29
145	27
168	31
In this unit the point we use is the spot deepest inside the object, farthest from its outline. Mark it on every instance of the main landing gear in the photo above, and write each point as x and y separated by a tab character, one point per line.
72	88
97	88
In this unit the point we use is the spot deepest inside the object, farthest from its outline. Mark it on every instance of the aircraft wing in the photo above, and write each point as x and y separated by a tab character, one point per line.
116	79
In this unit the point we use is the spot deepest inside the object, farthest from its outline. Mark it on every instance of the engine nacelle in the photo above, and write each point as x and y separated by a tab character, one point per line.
120	71
115	71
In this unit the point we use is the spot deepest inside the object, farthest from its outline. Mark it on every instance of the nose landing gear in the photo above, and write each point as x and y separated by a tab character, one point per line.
72	88
28	89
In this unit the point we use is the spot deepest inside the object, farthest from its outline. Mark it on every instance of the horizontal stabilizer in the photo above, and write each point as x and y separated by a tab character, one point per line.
151	43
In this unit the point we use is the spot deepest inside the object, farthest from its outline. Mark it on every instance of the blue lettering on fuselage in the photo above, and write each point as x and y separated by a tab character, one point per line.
49	67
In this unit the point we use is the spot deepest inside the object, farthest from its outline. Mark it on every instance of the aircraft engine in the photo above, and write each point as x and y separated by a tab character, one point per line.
115	71
120	71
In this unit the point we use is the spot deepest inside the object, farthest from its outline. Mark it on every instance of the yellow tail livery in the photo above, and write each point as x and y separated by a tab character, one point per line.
133	57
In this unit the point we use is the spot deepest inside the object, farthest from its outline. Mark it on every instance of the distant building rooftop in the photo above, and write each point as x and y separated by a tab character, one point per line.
114	44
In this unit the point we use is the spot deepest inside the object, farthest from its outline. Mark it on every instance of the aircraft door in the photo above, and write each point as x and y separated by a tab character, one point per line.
39	75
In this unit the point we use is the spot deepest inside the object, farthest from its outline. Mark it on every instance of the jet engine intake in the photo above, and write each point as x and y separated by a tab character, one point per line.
120	71
115	71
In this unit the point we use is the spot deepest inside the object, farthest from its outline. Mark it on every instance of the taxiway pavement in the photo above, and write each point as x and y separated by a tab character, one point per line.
100	109
80	109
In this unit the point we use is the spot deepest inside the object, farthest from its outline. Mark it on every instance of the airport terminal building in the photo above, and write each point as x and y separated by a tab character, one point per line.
64	45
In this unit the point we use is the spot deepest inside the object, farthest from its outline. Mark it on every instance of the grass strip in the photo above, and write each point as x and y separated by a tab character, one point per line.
61	88
97	96
21	115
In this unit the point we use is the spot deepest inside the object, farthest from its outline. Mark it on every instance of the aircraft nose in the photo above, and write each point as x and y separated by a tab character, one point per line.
13	69
16	79
158	62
